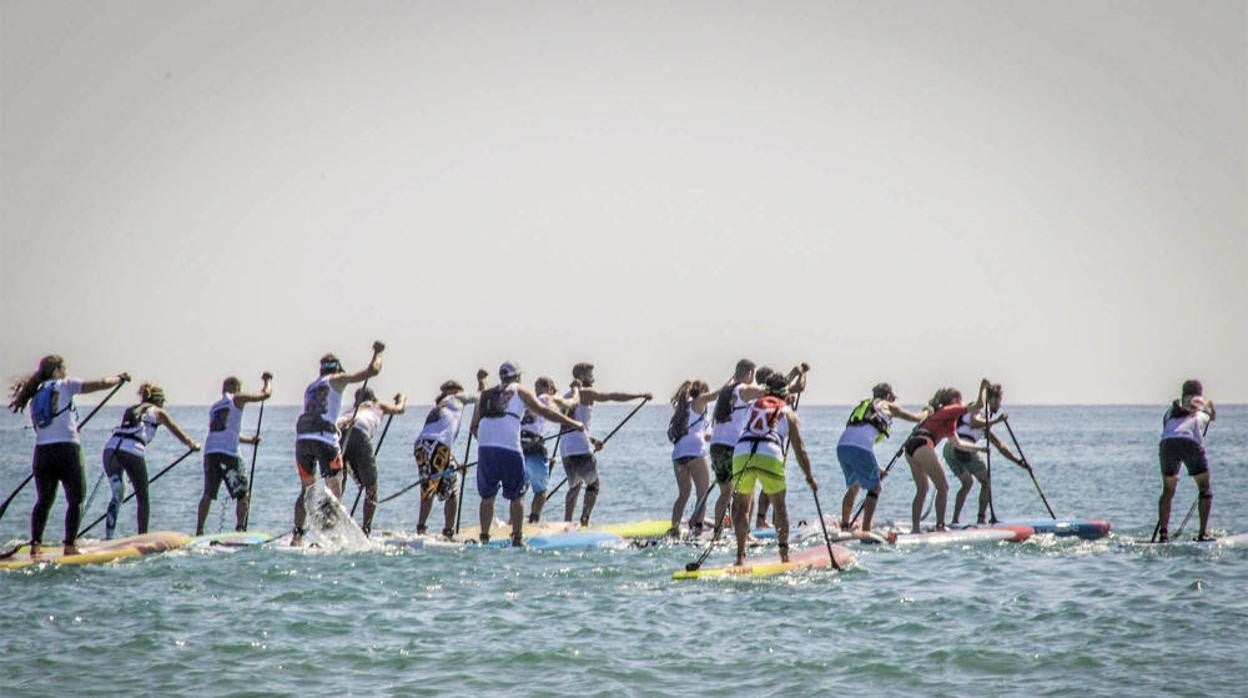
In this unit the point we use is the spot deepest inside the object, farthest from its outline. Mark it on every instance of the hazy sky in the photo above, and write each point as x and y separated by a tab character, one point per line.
1054	194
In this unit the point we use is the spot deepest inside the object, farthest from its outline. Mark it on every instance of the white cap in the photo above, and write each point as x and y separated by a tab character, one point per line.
509	369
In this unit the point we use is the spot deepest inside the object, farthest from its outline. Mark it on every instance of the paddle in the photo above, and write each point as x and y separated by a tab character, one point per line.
251	479
992	511
827	540
130	496
5	507
376	449
605	439
459	508
1030	470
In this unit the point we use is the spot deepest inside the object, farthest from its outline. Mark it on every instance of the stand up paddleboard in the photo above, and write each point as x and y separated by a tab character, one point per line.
811	558
95	553
231	541
1087	529
1011	534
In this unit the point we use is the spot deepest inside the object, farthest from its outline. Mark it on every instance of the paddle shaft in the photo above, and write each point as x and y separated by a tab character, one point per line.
459	507
827	540
992	511
251	479
1030	470
5	507
132	495
605	439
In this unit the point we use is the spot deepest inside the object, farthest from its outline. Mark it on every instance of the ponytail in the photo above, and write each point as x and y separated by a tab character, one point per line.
23	390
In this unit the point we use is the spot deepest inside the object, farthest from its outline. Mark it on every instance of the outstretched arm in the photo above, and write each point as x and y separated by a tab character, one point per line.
96	385
701	402
1004	450
592	395
163	418
799	448
896	410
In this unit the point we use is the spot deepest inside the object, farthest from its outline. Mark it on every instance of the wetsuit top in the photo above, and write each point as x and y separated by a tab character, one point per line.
225	425
1181	424
766	428
727	432
64	426
502	408
138	426
367	419
442	422
321	405
577	443
694	443
867	425
942	424
532	424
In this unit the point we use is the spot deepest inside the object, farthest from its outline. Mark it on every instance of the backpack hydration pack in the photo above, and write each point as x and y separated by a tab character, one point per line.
43	405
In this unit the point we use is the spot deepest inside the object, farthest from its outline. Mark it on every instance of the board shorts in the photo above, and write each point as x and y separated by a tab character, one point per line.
225	467
1185	451
860	467
761	469
963	462
500	468
358	455
312	456
721	462
433	463
581	469
537	471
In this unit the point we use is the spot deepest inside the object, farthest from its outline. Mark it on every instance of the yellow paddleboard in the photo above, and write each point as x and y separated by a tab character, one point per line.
810	558
101	551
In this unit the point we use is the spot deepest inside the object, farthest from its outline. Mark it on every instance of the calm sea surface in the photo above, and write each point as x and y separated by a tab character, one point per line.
1044	617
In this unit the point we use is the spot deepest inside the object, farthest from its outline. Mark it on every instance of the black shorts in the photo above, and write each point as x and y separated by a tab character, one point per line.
312	456
359	458
1175	451
532	444
225	467
721	462
919	440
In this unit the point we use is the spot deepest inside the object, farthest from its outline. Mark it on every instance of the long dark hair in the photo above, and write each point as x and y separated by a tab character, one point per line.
945	396
682	402
23	390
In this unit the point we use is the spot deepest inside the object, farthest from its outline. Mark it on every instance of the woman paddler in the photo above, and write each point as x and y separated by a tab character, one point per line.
688	430
58	453
126	451
920	448
357	444
968	466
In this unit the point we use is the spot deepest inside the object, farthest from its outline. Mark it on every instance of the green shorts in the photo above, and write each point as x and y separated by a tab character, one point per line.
764	470
963	462
721	462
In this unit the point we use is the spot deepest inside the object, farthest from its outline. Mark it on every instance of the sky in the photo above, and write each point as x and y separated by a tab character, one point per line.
1050	194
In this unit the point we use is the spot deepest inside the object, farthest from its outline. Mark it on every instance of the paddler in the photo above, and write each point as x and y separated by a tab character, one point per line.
126	451
432	451
500	460
58	452
946	408
1183	441
579	447
537	464
968	466
759	458
868	424
316	429
357	443
222	462
688	430
797	383
732	401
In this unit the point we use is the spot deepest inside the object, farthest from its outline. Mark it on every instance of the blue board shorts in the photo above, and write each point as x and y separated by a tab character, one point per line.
537	472
499	467
860	466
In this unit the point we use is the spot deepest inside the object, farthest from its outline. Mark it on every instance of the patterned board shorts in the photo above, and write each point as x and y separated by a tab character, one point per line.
433	462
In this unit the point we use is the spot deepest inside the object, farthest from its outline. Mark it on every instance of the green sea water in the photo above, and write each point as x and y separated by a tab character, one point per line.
1046	617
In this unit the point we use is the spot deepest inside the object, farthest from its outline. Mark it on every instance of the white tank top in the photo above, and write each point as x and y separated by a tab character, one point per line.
693	444
135	438
504	431
64	426
321	405
367	419
533	423
225	425
576	443
442	423
1178	424
971	433
760	437
728	432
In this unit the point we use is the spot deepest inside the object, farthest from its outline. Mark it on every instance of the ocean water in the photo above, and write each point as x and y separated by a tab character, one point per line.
1041	618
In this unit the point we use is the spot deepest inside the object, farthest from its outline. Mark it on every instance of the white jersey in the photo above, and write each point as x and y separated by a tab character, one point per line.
694	443
576	443
502	431
367	419
138	426
533	423
1179	424
64	426
225	426
974	434
728	432
442	422
321	405
765	430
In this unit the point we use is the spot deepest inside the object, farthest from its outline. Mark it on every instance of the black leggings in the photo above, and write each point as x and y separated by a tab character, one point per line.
54	464
135	467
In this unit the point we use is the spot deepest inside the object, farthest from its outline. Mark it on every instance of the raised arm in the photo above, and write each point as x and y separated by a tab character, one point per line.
266	391
399	406
750	393
701	402
163	417
101	384
373	368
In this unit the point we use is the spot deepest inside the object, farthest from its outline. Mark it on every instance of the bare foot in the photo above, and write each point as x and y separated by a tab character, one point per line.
71	550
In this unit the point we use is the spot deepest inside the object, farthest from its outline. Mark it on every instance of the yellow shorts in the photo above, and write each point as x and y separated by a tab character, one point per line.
761	469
